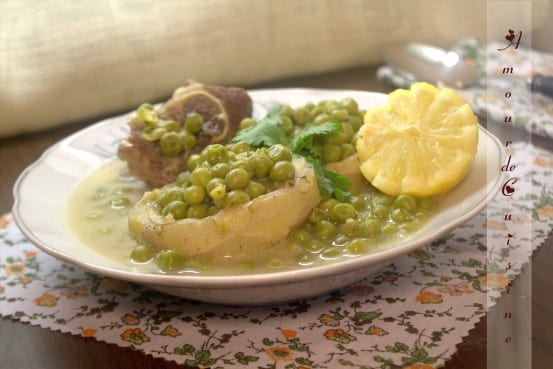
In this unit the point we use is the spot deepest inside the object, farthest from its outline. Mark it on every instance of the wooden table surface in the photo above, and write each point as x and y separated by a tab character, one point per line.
25	346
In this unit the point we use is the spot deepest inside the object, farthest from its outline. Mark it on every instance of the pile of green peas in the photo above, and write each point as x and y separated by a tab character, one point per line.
173	138
334	147
335	229
222	176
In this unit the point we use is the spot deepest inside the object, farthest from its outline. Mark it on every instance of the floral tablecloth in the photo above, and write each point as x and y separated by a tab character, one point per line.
411	315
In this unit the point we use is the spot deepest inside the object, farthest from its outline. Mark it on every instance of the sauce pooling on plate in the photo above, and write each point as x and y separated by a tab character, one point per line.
339	227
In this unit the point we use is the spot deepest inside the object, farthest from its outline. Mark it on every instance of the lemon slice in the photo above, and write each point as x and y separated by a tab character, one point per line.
422	142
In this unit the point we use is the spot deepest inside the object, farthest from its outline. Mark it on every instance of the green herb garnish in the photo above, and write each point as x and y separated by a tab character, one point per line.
266	132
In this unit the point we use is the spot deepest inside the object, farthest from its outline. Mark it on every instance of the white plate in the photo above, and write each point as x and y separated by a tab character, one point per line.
42	190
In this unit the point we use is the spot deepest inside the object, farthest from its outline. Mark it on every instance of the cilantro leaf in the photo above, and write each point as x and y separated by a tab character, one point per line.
303	141
331	183
265	132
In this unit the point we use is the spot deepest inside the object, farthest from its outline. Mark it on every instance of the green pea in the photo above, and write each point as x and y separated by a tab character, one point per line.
237	179
212	210
235	198
287	125
355	122
255	189
340	114
358	246
358	203
247	122
262	165
380	211
300	116
245	163
146	113
142	253
175	208
282	171
170	125
384	200
121	190
294	248
317	215
331	105
193	122
200	176
169	260
182	178
313	246
400	215
301	235
218	192
347	150
198	211
327	205
321	119
331	153
241	147
193	161
279	152
153	134
305	259
216	153
275	263
171	144
340	240
406	202
220	170
389	228
194	194
213	183
119	202
343	211
286	111
350	227
315	112
350	105
370	227
188	140
325	229
168	195
331	253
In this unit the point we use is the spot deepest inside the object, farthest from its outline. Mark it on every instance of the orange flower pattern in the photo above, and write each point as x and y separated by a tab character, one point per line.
88	332
170	331
382	316
429	297
280	353
339	335
134	336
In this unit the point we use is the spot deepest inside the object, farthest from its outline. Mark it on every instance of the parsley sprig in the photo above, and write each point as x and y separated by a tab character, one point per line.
267	133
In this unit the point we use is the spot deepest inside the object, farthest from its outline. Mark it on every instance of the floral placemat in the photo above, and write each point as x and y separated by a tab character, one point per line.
411	315
530	111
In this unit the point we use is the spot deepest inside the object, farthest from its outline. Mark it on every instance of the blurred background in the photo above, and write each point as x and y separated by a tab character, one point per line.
67	61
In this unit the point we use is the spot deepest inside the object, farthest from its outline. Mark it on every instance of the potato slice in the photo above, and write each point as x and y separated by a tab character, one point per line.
240	230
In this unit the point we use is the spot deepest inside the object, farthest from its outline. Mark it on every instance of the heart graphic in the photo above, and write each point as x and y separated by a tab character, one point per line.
509	235
509	189
511	36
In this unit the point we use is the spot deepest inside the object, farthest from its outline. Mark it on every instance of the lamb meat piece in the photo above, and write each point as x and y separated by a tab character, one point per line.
222	109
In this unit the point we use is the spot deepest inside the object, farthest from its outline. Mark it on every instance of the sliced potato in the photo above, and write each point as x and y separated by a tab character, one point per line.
240	230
